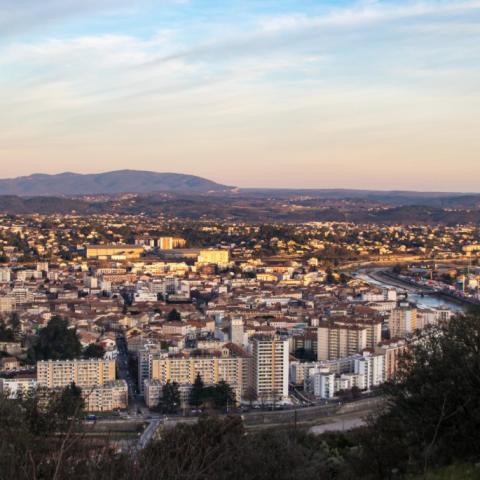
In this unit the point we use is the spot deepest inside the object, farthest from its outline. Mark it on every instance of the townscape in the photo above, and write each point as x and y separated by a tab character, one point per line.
219	316
239	240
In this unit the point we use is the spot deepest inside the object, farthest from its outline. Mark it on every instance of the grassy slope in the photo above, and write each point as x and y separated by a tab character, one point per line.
457	471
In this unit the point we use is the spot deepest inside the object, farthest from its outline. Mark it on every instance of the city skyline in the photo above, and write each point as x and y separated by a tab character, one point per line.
337	94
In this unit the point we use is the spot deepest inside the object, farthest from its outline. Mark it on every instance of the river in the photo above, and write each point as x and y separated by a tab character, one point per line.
426	301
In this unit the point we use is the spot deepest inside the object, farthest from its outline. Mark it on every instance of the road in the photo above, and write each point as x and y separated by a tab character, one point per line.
134	401
338	426
148	433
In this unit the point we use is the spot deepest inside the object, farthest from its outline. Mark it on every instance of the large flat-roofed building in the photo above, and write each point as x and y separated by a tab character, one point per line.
84	373
235	370
96	378
109	251
214	257
111	396
180	253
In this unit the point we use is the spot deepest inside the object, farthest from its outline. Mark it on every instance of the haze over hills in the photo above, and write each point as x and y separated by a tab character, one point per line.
191	196
121	181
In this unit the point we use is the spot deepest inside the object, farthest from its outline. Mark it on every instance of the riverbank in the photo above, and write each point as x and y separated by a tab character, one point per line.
449	297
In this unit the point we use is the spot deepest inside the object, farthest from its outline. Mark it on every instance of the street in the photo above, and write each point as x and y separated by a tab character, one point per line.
135	402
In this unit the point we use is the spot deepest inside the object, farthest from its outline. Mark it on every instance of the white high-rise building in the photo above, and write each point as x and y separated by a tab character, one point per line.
372	367
237	331
5	275
323	385
270	367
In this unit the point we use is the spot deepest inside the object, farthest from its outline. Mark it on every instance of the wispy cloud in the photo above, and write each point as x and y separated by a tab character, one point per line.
20	16
292	29
372	83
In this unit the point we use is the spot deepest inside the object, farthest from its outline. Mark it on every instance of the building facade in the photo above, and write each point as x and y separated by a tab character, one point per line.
270	367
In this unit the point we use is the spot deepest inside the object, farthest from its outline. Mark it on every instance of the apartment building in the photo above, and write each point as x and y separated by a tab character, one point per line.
152	390
165	243
18	386
270	367
84	373
402	322
384	295
112	395
307	342
25	275
7	304
323	384
96	378
391	349
22	296
145	359
372	327
372	367
235	370
338	341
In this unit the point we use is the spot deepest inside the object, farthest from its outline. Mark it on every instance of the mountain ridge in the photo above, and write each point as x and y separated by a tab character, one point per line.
118	181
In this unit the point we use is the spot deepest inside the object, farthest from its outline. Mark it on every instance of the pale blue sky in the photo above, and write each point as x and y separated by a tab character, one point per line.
324	94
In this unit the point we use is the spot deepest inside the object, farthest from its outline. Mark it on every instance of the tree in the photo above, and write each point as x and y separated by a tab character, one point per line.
6	334
263	397
330	278
250	395
174	316
397	269
70	397
197	391
169	400
224	394
56	342
209	394
160	297
435	389
356	392
274	395
16	325
94	351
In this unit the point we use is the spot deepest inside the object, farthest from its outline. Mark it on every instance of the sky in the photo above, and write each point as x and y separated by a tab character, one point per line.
265	93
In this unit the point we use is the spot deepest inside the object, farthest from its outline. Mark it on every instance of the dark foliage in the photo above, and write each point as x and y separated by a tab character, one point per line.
94	351
56	342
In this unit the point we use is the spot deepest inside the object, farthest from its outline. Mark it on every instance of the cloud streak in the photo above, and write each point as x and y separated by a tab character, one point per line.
371	87
287	30
21	16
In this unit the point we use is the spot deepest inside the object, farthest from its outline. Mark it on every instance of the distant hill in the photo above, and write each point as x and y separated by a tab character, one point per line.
240	209
121	181
394	197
